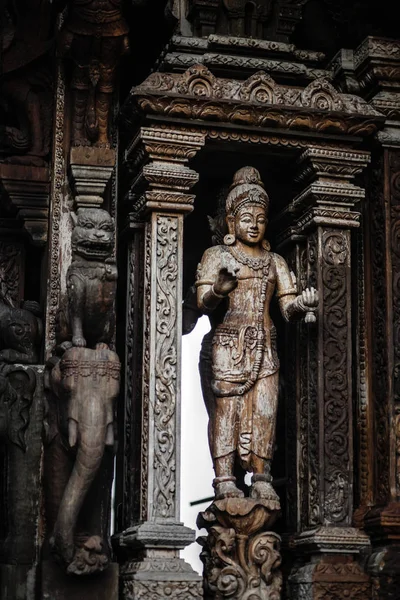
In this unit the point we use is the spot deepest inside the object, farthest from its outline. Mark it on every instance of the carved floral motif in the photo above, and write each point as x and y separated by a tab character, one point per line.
166	365
241	558
155	590
146	375
335	255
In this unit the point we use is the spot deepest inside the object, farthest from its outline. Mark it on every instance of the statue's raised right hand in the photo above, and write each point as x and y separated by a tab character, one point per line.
226	281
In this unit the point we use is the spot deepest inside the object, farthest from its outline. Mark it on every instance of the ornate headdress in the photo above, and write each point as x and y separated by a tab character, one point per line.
247	188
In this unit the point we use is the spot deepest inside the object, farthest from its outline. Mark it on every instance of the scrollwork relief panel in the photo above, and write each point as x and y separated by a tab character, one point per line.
166	376
337	385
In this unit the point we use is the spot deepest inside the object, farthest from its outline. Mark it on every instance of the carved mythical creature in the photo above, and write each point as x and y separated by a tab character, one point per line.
95	37
237	280
92	279
78	471
20	333
25	81
82	387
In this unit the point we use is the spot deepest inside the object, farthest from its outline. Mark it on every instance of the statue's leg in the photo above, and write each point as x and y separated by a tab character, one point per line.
26	103
110	53
264	404
81	86
225	439
103	109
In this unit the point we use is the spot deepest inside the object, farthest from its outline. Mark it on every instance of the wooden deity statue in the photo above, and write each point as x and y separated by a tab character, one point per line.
236	282
95	37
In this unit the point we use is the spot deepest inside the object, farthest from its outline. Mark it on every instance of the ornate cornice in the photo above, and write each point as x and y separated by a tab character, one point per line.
258	101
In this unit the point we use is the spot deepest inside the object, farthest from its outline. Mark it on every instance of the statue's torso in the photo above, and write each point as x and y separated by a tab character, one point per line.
235	338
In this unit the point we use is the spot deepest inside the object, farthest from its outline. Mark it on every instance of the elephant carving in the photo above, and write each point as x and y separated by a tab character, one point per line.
79	457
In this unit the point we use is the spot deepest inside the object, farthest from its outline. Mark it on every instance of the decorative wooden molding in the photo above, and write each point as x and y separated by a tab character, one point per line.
27	190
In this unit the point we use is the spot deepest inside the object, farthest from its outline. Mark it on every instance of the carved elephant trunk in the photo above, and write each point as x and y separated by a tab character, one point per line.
88	382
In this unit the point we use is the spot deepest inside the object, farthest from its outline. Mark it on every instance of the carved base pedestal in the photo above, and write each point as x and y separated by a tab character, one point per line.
151	565
241	557
327	567
331	578
56	585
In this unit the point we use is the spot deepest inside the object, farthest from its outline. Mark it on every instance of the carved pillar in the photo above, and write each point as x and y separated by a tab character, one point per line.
377	68
21	423
149	545
326	544
381	520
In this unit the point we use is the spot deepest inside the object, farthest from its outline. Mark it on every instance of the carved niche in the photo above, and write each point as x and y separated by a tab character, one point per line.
26	85
242	18
94	37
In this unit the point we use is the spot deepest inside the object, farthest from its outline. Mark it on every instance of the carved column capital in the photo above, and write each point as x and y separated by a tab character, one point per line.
329	193
90	172
27	190
166	175
171	145
377	68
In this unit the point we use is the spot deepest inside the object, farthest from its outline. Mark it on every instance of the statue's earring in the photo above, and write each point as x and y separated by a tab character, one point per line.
266	245
229	239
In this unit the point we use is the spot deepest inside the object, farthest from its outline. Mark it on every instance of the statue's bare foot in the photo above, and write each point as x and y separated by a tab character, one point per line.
263	490
225	487
92	557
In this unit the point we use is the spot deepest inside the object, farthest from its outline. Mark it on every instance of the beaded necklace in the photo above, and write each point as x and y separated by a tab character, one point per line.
250	261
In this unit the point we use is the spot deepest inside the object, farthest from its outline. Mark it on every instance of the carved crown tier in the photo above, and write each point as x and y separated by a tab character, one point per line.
243	56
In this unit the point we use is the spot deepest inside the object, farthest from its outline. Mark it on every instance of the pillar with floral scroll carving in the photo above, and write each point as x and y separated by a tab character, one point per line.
377	68
152	533
319	221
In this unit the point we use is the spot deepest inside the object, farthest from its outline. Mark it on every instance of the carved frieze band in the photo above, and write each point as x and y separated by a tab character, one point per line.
159	590
380	315
57	195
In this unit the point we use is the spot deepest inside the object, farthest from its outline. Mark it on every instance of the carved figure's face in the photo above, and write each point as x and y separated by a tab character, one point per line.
93	234
20	330
250	224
